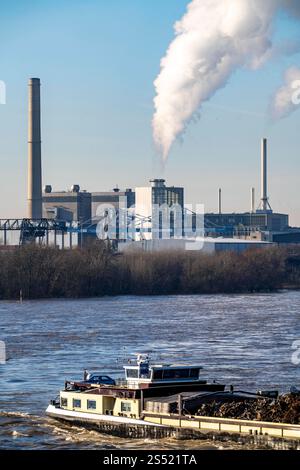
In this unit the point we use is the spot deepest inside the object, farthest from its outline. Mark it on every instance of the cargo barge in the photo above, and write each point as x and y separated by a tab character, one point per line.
161	400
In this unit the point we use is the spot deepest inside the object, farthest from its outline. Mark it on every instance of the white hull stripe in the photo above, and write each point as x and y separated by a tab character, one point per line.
93	417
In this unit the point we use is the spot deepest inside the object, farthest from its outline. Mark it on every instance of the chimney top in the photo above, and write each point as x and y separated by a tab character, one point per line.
35	81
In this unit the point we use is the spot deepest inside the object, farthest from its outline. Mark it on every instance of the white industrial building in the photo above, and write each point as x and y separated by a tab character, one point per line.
205	245
148	200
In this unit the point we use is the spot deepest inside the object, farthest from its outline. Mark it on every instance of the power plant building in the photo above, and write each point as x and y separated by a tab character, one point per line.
112	199
67	206
149	200
242	224
235	224
80	212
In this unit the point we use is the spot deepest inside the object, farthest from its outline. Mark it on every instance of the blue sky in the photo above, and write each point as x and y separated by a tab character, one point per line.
97	61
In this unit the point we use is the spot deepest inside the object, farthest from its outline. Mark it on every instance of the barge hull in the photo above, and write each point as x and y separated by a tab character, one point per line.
114	425
223	430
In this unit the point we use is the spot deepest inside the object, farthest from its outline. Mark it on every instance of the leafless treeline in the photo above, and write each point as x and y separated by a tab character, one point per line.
96	271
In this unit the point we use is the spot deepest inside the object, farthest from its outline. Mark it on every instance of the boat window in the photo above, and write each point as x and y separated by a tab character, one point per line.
125	406
176	374
132	373
63	402
194	373
144	370
76	403
157	374
91	404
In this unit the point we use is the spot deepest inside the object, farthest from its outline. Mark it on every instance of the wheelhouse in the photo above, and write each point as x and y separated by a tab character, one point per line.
144	372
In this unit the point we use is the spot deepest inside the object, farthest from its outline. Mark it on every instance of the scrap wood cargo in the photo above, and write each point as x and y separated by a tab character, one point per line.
237	405
284	409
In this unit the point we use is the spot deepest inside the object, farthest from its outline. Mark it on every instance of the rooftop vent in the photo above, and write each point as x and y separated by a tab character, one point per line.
75	188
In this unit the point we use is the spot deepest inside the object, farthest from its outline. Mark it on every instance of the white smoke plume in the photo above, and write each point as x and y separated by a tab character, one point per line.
286	100
213	39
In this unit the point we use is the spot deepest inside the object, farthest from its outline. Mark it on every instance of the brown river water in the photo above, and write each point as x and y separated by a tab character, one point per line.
244	340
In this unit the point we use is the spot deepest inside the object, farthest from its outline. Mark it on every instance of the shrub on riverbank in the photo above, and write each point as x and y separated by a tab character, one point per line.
45	272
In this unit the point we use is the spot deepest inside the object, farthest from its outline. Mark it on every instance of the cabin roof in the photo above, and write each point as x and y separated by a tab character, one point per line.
166	366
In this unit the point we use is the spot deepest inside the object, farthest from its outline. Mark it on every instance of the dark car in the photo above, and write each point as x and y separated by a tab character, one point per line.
100	380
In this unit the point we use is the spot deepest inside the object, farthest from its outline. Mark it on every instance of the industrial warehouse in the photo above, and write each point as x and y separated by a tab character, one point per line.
74	217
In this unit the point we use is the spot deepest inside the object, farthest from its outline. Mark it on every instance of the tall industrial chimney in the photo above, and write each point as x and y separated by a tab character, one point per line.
220	201
264	176
252	196
34	151
264	204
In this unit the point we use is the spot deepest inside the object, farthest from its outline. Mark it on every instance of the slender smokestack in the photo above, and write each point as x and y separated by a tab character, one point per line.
264	175
220	201
252	194
34	151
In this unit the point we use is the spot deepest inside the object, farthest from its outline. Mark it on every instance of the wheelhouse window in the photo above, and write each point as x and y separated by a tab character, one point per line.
194	373
76	403
157	374
176	374
91	404
144	370
125	406
132	373
64	402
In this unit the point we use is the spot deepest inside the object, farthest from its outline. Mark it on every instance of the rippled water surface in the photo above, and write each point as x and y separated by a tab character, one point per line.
240	340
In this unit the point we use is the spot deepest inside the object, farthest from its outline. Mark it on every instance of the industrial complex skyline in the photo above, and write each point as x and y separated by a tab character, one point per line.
97	93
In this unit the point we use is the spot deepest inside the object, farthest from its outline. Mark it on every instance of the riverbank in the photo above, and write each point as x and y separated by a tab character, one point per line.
45	272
